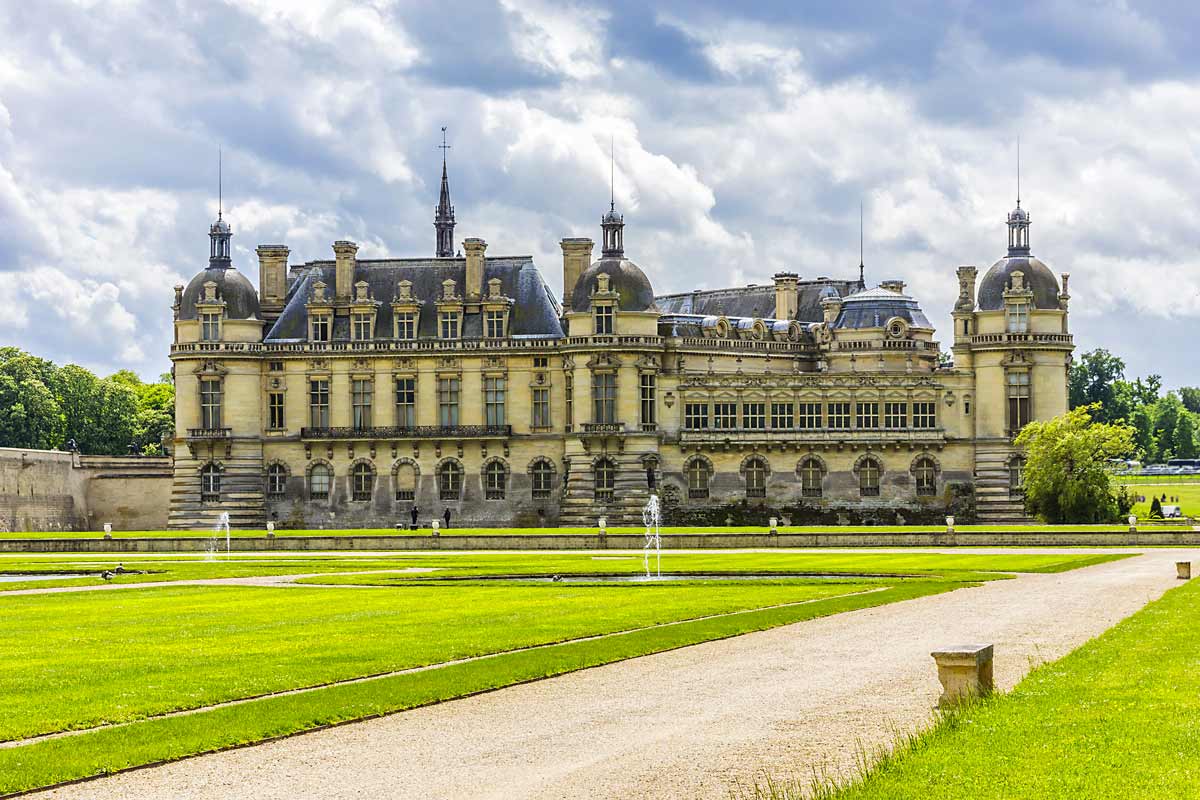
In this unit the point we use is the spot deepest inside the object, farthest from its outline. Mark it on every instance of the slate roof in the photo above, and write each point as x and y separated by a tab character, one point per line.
241	299
1037	276
535	312
872	308
754	302
625	278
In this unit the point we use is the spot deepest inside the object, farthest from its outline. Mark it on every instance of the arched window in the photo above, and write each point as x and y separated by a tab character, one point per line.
210	483
868	477
495	477
604	474
698	474
1016	476
450	481
276	481
925	472
362	479
543	479
756	477
319	478
811	474
406	482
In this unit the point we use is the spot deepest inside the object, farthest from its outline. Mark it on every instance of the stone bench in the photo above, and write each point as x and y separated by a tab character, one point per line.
965	671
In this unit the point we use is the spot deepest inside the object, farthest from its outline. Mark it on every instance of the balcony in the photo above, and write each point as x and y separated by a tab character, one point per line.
1022	339
209	433
603	428
809	438
417	432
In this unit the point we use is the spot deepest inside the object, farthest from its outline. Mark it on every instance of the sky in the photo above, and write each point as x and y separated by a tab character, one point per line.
744	137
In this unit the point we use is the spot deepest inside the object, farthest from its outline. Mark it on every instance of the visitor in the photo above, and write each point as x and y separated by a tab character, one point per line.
446	516
414	514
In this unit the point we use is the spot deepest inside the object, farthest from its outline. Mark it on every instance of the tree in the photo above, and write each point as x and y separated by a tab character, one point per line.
1185	436
1147	392
1167	412
1065	478
1143	436
1155	509
1093	380
1190	395
30	415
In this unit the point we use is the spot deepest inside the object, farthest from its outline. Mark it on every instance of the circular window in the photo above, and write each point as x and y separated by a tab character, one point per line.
897	328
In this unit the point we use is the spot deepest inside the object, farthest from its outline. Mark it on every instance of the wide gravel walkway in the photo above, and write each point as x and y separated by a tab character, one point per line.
689	723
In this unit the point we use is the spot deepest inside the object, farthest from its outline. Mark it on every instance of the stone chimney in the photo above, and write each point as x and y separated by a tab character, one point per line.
966	289
272	274
893	286
344	272
475	248
831	307
577	257
787	296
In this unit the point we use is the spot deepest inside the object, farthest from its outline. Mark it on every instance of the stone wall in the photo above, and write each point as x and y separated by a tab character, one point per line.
47	490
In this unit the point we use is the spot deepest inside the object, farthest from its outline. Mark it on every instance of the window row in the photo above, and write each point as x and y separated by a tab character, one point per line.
810	416
404	325
811	471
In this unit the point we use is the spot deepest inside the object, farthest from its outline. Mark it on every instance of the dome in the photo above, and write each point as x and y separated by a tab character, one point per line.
625	278
1018	213
1037	276
241	299
220	226
872	308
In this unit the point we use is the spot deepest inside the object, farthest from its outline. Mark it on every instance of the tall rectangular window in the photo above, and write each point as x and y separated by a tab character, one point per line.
275	417
360	327
448	390
210	327
569	400
924	415
783	416
1018	400
448	324
754	416
867	415
1018	317
320	328
210	403
895	416
493	324
809	416
648	389
318	402
494	390
838	416
406	325
725	416
695	416
604	397
406	402
604	320
541	407
361	394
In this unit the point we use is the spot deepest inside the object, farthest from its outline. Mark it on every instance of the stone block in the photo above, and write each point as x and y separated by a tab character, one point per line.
965	671
1183	570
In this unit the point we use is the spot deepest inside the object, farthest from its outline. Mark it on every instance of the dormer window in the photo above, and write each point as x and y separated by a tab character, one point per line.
604	320
448	324
210	327
1018	317
493	324
406	311
361	326
406	324
321	325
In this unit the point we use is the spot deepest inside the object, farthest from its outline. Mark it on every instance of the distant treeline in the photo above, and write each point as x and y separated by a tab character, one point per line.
45	406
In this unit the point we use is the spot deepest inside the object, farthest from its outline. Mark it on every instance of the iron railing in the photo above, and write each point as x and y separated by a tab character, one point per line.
415	432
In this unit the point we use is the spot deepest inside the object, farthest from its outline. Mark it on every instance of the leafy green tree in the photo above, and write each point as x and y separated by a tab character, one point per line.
1185	436
1065	478
1167	412
1155	508
1146	392
1093	380
1143	436
30	415
1190	395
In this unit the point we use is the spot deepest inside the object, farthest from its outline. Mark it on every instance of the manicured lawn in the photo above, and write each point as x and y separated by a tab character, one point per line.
1188	494
452	532
110	660
1118	718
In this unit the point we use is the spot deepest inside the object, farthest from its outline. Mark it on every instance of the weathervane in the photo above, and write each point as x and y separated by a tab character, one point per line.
443	146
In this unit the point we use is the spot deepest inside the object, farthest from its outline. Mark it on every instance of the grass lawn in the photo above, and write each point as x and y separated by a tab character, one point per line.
451	532
98	658
1188	494
1118	718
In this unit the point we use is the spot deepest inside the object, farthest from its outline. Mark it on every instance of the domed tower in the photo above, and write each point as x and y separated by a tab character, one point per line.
218	393
1015	338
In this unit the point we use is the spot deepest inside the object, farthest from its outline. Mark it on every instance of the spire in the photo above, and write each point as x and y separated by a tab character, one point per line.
862	283
443	217
219	232
1018	219
612	222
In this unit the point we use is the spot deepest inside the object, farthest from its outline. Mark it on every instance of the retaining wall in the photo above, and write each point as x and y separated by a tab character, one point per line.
611	542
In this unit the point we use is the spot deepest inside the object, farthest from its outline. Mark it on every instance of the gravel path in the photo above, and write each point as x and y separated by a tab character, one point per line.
688	723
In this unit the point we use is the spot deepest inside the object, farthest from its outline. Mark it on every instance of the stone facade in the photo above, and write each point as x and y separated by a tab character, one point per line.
343	393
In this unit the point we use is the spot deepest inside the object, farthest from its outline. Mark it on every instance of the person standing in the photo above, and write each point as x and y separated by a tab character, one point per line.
414	513
446	516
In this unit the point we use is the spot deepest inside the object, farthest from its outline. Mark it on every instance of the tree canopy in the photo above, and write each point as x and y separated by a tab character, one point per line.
43	406
1066	479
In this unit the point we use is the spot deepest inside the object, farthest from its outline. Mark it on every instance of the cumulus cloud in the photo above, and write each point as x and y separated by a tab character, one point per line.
744	140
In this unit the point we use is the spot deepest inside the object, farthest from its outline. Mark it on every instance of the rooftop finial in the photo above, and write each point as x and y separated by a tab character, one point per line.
220	188
1018	172
444	147
861	268
443	216
612	173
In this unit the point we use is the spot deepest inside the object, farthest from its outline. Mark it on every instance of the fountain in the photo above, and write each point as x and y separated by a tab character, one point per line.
652	519
214	544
